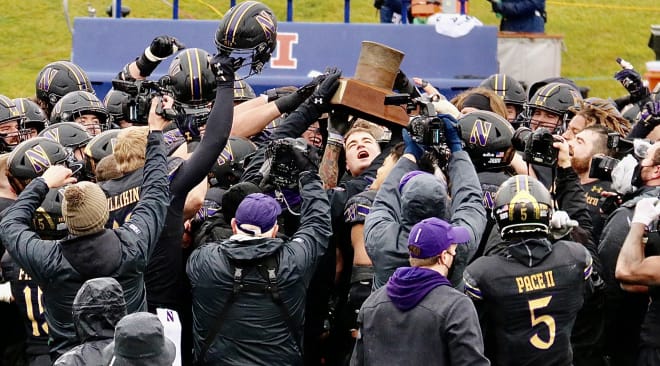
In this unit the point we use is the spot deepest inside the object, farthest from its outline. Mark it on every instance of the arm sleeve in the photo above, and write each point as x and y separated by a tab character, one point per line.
297	122
148	217
467	209
465	342
22	243
313	235
193	170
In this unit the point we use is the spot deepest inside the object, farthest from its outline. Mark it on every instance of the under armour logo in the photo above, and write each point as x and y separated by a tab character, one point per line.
317	100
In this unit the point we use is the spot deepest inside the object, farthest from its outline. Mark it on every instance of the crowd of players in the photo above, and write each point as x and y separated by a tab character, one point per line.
285	231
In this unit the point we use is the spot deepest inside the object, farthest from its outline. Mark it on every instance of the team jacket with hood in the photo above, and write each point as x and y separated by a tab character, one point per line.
254	331
388	224
410	322
61	267
96	311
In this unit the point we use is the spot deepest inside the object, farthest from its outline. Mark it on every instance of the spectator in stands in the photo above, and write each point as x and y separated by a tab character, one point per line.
390	10
527	16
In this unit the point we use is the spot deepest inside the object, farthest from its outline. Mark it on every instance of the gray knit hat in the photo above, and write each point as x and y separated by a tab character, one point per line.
84	208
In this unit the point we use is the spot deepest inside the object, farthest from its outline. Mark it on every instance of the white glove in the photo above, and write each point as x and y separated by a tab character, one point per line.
646	210
445	107
5	292
561	224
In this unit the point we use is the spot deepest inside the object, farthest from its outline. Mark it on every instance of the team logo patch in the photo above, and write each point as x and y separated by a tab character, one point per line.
38	159
480	132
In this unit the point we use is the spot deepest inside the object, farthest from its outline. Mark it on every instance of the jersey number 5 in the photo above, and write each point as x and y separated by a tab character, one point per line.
549	321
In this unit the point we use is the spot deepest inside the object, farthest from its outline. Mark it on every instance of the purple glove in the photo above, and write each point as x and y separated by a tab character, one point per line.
632	81
651	114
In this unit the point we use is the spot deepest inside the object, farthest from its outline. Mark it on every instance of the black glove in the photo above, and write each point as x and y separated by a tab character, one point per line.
632	81
165	46
161	48
289	103
277	93
326	90
651	114
403	85
338	125
224	67
303	161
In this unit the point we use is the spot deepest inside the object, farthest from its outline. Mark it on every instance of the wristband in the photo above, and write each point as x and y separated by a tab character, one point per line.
424	83
151	57
335	139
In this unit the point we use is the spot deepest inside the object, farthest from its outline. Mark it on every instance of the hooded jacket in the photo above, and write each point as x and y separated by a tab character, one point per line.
61	267
418	319
521	15
97	308
254	331
394	213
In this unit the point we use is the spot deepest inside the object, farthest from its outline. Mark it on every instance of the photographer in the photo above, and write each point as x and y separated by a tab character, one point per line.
590	147
625	310
575	223
408	196
223	328
634	267
61	267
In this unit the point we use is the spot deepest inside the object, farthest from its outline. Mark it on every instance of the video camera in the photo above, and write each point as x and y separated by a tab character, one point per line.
425	127
278	169
618	145
536	145
140	94
602	166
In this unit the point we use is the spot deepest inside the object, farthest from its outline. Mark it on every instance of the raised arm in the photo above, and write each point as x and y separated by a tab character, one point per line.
193	170
22	243
148	216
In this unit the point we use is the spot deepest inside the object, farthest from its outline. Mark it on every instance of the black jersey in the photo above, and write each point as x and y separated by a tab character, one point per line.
592	195
27	296
123	195
528	305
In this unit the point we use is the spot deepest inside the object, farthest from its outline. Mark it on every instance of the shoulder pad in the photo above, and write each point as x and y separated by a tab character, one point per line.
357	207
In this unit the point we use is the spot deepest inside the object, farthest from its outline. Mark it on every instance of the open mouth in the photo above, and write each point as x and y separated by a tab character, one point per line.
317	141
363	155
